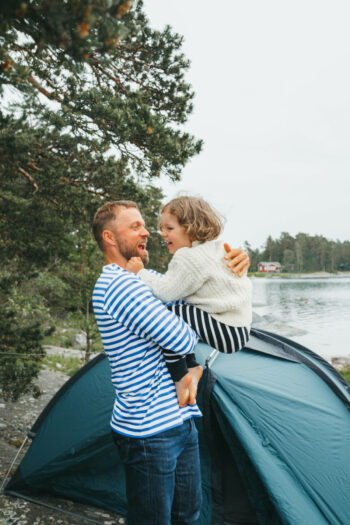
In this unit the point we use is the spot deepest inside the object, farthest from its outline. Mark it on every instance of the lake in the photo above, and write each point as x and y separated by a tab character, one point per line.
315	312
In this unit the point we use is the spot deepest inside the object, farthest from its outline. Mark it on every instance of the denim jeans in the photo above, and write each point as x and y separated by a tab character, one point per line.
163	482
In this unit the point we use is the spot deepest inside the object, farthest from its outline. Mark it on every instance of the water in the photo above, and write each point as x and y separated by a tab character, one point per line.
313	312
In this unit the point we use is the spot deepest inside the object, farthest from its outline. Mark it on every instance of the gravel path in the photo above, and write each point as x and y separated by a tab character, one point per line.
15	421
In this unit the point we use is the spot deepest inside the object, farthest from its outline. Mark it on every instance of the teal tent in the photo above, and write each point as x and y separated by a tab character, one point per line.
275	439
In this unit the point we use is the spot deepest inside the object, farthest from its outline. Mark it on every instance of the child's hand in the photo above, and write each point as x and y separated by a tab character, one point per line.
134	265
238	260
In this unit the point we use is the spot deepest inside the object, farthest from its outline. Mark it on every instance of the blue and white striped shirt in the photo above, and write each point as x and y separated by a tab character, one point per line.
134	324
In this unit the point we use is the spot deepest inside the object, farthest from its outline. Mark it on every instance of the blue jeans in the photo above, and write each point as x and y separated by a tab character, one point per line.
163	482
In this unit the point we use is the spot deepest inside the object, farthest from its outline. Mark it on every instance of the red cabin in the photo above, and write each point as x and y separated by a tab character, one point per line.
269	267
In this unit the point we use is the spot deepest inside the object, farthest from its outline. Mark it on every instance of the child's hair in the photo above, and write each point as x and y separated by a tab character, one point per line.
198	218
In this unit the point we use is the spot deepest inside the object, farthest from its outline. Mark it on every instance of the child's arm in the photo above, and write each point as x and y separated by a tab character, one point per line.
182	279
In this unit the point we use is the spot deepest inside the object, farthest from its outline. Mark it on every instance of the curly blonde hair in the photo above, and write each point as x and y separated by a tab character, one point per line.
198	218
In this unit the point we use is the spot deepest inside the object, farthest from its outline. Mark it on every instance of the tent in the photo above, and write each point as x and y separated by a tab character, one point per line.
275	438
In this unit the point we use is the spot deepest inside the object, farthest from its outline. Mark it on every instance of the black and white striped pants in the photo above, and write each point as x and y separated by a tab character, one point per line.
222	337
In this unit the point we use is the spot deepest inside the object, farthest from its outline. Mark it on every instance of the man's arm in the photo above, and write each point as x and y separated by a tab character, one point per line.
238	260
130	302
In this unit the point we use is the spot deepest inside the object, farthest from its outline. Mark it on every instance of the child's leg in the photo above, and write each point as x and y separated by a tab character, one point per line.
186	373
177	366
227	339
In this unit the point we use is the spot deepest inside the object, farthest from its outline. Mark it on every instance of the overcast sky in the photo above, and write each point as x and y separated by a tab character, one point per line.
272	104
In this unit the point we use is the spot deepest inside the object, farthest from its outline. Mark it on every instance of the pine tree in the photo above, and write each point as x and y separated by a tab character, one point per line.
93	104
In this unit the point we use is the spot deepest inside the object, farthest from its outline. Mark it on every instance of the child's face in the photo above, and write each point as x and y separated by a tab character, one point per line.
173	233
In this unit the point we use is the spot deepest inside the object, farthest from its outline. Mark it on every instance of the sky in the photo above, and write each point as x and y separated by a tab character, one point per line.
272	104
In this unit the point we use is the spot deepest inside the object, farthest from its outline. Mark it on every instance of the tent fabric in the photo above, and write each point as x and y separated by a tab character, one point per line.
72	454
274	440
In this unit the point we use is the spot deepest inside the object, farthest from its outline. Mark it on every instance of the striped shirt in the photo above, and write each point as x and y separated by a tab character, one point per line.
134	326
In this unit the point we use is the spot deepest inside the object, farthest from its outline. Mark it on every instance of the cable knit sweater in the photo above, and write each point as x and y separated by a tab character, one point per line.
199	276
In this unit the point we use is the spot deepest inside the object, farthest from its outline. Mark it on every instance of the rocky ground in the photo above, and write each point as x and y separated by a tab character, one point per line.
15	421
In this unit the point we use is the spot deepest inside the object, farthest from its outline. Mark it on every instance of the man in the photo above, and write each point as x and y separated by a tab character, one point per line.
157	439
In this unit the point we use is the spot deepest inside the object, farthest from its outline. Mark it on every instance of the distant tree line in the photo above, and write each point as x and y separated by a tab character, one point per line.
302	253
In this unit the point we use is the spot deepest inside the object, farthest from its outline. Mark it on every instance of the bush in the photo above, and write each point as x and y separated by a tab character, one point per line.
21	354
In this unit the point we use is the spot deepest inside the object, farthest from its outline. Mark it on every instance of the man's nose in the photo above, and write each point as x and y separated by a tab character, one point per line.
144	233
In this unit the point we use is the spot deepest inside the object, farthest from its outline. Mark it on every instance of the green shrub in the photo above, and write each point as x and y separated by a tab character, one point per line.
346	374
21	354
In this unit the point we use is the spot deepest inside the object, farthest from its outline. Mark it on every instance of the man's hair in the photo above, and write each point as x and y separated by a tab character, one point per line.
198	218
106	213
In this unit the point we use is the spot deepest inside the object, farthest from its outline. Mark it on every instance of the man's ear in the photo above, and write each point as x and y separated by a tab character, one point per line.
108	238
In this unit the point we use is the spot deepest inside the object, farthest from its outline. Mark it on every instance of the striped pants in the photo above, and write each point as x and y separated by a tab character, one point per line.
222	337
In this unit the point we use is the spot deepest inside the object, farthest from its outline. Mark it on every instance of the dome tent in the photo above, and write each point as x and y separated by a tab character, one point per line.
274	441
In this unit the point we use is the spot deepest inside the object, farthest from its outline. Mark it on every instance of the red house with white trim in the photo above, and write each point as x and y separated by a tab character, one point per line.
269	267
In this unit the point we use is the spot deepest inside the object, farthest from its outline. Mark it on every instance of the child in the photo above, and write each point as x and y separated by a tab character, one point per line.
218	304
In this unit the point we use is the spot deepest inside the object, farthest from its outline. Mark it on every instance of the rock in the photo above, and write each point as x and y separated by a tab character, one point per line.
79	340
2	426
272	324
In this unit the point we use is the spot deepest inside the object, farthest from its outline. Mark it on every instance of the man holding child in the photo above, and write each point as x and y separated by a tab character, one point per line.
157	439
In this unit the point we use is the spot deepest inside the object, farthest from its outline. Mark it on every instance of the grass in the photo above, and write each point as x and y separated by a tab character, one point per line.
346	374
58	339
65	328
64	364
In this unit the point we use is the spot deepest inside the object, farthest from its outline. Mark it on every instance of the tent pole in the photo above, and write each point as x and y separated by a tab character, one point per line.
13	462
210	360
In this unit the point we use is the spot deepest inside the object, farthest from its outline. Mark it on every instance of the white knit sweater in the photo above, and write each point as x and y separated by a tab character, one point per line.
199	276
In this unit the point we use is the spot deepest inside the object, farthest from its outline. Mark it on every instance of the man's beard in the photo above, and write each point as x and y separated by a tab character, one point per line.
131	251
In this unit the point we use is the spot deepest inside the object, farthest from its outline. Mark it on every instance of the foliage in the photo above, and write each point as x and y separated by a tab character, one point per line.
20	356
97	101
94	101
302	253
346	374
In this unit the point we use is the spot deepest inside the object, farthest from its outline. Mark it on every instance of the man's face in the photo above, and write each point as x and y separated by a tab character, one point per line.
130	234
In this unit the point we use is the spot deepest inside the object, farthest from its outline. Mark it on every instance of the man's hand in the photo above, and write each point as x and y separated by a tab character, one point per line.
134	265
238	260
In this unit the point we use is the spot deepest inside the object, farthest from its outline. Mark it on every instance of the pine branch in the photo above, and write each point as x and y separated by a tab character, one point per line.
51	96
147	88
111	77
30	178
89	190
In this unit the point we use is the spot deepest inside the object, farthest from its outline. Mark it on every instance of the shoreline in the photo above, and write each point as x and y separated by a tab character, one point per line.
309	275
